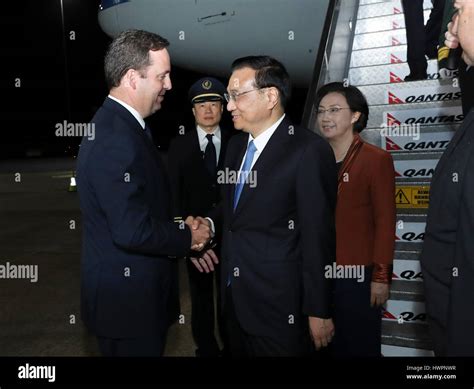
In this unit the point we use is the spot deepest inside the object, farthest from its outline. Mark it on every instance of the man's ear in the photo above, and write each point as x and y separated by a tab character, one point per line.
130	78
194	110
273	96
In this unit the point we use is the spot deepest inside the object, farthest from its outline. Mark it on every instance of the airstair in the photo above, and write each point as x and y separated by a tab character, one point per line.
414	121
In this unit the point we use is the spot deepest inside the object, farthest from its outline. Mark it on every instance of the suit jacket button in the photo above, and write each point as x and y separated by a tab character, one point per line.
214	205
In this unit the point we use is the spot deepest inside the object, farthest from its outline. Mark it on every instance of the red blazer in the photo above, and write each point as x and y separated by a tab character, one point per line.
365	211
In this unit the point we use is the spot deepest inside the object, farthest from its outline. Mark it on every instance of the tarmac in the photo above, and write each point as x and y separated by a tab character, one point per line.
40	226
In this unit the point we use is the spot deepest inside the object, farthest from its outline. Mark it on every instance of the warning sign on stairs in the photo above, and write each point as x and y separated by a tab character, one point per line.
412	196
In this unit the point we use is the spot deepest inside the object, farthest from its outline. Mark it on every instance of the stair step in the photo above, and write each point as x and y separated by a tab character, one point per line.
413	211
398	140
428	141
366	2
401	255
419	168
389	350
379	56
406	334
411	92
382	23
406	289
386	8
415	115
380	39
398	3
396	310
407	278
411	233
389	74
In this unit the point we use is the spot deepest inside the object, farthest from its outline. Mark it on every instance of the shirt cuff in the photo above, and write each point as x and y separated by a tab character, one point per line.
213	229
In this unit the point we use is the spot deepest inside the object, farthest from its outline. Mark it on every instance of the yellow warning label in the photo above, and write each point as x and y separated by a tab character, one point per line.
412	196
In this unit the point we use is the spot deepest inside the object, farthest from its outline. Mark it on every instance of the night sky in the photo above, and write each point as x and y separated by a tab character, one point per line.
62	79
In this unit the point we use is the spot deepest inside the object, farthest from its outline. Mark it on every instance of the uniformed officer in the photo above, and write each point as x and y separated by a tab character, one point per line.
194	159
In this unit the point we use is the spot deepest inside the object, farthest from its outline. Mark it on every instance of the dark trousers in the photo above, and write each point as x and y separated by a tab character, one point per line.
244	345
421	40
149	346
358	326
201	287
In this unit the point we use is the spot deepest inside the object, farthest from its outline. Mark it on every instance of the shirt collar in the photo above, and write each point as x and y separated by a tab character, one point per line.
130	109
202	134
262	139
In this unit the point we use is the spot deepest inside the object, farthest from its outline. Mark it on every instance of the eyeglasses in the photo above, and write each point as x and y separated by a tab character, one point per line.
233	96
330	111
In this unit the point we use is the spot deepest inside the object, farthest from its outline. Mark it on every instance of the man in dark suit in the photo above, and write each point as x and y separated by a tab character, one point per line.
128	232
421	40
277	220
447	259
193	161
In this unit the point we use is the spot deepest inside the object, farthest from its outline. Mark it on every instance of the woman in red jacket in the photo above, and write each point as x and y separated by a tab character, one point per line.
365	222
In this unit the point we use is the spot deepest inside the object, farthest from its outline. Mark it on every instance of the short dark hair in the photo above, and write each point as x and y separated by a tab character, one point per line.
354	97
269	73
130	50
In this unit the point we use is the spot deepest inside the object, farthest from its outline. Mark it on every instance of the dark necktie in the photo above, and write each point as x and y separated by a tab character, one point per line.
148	132
210	156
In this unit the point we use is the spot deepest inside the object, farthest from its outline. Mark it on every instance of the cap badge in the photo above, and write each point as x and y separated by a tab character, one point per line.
207	84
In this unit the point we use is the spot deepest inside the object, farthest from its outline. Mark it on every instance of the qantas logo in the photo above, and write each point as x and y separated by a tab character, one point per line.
387	315
408	275
395	59
394	78
395	42
392	121
434	97
436	119
391	145
410	173
431	76
404	316
422	146
424	98
411	237
392	99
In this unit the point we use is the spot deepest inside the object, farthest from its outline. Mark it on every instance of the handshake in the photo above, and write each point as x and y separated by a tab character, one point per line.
200	231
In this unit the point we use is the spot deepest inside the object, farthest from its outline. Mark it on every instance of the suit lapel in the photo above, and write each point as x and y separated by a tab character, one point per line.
135	126
268	159
224	139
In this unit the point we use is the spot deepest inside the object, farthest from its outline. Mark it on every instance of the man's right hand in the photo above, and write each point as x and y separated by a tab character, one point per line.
200	231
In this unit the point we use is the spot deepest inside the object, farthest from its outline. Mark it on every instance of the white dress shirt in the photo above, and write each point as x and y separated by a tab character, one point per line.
130	109
216	139
261	141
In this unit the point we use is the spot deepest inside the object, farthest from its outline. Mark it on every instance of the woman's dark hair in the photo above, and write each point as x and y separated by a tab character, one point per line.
354	97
